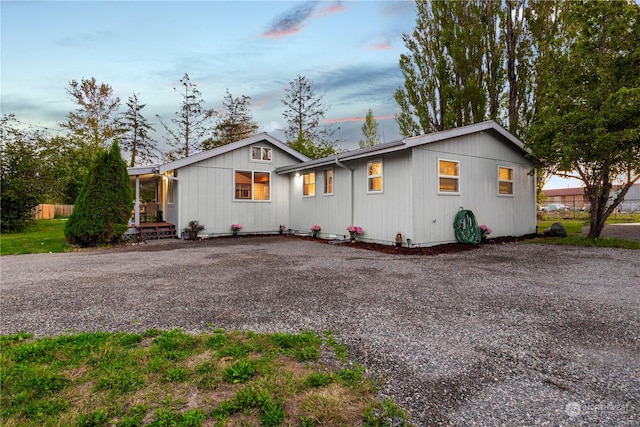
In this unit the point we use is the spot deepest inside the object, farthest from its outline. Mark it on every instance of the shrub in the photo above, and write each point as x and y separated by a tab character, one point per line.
103	207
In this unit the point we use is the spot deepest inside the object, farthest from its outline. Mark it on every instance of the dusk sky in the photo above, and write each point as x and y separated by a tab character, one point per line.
349	50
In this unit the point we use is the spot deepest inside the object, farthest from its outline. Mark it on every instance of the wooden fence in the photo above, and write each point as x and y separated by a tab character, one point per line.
45	211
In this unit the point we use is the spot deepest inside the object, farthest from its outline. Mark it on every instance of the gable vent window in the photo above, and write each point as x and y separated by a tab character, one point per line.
261	154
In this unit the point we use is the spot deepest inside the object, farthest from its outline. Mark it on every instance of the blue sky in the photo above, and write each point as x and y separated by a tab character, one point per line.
350	50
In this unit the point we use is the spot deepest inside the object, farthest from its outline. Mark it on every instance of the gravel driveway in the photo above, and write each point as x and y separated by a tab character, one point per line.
506	334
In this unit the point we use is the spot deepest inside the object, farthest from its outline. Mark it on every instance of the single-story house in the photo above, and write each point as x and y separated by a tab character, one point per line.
414	186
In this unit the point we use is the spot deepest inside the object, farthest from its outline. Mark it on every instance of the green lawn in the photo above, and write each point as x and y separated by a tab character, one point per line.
170	378
574	230
44	236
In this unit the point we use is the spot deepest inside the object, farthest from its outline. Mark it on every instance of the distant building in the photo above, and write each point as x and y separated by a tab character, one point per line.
576	199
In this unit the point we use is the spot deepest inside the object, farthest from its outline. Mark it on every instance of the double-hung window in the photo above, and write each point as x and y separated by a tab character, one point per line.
252	185
309	184
374	176
505	181
448	176
328	181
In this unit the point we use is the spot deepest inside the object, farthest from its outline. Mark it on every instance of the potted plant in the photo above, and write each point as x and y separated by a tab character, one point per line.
484	232
315	230
354	231
235	228
193	229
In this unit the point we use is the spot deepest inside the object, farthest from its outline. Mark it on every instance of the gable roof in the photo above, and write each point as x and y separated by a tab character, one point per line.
204	155
388	147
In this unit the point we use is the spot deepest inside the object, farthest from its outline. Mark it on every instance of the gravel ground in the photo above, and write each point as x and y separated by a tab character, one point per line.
505	334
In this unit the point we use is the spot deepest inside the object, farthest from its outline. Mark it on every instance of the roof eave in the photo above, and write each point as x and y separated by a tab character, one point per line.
254	139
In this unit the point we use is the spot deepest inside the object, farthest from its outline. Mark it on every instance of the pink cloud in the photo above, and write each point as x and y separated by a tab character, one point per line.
282	33
380	46
336	7
294	21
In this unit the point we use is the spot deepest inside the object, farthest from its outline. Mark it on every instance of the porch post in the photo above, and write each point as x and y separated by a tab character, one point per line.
136	205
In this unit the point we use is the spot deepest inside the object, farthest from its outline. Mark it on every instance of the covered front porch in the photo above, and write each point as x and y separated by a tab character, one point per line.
149	207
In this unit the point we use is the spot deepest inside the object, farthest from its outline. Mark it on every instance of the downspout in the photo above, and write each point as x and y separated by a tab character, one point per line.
342	165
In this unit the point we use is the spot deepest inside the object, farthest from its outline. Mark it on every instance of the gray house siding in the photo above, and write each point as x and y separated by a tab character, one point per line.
205	192
384	214
332	212
479	156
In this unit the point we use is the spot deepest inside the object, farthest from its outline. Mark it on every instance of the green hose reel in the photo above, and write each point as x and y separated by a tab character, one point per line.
466	227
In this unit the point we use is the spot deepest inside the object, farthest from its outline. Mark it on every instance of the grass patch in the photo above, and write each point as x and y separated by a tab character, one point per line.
44	236
574	231
170	378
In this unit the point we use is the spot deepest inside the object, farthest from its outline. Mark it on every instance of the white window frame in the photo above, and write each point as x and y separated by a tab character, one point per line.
510	181
324	173
253	193
314	184
263	153
456	177
370	177
171	188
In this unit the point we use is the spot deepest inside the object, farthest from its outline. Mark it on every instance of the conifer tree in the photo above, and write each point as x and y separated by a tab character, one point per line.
136	140
192	123
103	207
370	131
234	122
303	115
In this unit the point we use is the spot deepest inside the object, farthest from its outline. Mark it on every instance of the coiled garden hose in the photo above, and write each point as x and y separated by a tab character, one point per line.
466	227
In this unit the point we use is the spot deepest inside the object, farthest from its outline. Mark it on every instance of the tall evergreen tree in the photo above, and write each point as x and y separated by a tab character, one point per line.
234	122
303	115
465	59
588	110
103	207
136	140
370	131
445	70
192	124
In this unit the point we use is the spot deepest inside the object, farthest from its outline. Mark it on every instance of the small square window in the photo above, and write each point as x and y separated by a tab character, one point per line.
505	181
448	176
